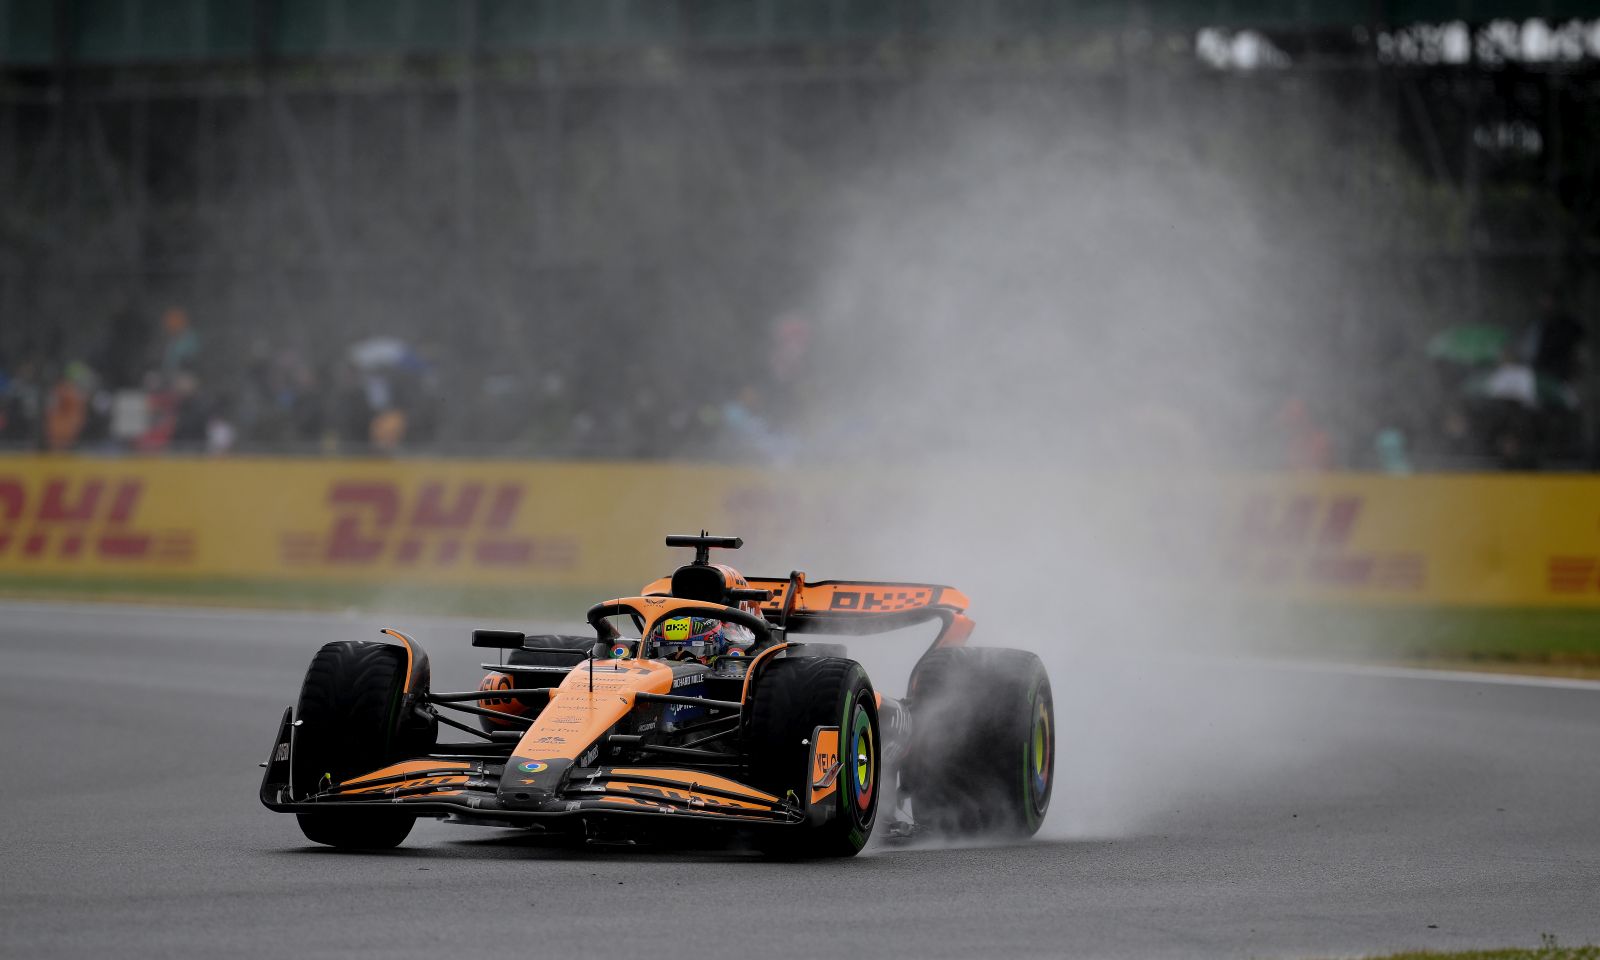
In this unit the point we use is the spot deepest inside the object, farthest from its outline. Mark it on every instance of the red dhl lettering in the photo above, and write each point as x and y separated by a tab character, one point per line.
442	525
1298	521
1572	574
1304	539
85	519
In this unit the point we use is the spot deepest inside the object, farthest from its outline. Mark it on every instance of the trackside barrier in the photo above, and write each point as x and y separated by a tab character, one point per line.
1428	540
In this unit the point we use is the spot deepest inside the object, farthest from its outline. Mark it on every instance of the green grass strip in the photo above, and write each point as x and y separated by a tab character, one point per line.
1548	949
429	599
1564	642
1566	639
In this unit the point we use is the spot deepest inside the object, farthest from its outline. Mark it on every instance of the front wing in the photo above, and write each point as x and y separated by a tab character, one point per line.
469	790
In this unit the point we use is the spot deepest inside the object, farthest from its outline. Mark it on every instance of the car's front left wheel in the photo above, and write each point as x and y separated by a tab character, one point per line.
350	723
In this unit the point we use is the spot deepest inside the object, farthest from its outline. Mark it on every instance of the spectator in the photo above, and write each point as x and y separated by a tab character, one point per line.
1513	431
68	408
1308	446
1512	381
1555	339
20	406
791	346
181	345
1390	447
130	416
189	413
126	355
350	417
220	432
388	430
163	415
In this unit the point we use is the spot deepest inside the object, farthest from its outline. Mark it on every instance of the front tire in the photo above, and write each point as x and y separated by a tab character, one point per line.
350	724
791	698
982	754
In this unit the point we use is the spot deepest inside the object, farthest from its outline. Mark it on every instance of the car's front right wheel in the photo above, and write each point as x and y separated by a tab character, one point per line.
790	699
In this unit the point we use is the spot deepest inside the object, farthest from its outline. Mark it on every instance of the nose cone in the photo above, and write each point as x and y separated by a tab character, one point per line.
530	782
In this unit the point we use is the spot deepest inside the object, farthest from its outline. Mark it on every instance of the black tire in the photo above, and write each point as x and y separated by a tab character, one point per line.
791	698
580	647
982	753
350	724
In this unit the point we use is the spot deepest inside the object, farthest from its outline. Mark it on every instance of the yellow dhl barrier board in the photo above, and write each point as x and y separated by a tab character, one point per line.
406	521
1429	540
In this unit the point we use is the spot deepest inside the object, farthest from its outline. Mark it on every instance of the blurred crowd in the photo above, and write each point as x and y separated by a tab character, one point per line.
1487	397
157	385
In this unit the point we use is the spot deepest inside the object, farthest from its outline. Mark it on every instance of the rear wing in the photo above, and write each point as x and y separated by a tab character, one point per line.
855	607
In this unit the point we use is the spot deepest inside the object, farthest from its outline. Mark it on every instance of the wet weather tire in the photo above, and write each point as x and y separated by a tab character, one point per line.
982	753
350	724
790	699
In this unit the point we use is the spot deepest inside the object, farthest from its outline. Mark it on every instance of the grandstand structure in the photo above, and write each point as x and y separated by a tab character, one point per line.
343	166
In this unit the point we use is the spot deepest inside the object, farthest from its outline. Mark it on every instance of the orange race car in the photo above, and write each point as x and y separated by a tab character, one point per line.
693	706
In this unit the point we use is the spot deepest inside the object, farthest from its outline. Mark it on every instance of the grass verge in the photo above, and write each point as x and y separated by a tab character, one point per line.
1547	950
1532	641
1561	642
425	599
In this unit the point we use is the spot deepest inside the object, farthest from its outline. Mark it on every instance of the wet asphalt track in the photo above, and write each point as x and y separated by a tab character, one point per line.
1386	812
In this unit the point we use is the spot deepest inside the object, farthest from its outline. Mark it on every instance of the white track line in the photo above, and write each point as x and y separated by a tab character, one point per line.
1423	673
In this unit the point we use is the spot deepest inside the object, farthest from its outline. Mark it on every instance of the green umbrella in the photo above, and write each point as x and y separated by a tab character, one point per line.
1469	343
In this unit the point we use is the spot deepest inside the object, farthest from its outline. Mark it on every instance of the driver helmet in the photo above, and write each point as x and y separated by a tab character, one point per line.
700	638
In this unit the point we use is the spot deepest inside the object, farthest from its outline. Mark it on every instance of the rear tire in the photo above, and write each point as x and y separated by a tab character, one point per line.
792	697
982	754
350	724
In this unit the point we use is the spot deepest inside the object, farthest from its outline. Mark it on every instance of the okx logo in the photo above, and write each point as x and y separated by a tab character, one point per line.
377	523
83	520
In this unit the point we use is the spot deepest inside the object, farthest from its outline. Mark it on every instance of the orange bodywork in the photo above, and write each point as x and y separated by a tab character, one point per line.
825	765
841	596
846	597
578	715
957	632
619	779
595	696
744	692
436	773
411	656
592	699
693	779
496	682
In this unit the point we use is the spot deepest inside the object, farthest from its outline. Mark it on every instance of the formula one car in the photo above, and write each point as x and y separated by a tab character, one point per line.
768	741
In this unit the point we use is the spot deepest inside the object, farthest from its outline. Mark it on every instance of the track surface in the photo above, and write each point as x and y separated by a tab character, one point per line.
1334	815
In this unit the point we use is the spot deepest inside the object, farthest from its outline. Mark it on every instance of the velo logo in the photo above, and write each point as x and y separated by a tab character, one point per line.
377	523
83	520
